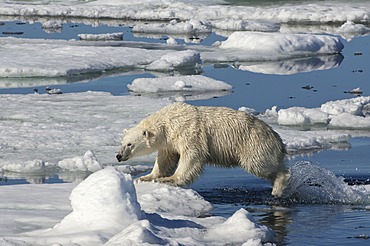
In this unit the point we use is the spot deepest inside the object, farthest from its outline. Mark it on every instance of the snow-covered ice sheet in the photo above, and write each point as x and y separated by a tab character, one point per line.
107	208
54	58
55	127
185	10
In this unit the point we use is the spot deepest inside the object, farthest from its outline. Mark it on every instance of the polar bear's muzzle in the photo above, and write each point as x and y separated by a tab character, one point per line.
121	158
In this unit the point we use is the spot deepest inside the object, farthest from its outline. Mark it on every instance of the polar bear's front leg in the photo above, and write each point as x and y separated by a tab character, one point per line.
187	172
164	165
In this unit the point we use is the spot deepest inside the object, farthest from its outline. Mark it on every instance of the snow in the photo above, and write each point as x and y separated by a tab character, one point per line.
105	208
178	83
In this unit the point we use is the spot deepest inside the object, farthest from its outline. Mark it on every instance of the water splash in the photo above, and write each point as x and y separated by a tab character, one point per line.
310	183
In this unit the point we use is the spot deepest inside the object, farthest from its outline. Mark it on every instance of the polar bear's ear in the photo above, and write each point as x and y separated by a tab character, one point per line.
125	131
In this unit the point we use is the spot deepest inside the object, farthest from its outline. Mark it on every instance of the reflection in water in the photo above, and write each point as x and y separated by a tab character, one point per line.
293	66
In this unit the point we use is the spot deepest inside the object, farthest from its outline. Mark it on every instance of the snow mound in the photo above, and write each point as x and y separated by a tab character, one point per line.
180	59
277	43
103	204
181	83
87	162
235	228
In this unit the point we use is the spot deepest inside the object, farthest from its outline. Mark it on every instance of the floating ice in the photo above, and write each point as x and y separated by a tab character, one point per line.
350	30
192	27
189	59
87	162
181	83
302	116
348	113
102	37
277	43
22	58
244	25
186	10
34	166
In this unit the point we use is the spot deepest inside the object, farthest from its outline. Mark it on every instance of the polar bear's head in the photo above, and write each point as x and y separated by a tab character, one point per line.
136	141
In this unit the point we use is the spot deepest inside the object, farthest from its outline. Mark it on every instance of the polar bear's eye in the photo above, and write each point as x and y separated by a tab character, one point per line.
129	144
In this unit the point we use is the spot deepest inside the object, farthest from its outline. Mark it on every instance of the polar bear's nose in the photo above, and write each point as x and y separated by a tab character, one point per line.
119	157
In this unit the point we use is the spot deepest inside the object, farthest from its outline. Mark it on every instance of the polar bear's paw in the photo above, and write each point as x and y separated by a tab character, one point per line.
172	180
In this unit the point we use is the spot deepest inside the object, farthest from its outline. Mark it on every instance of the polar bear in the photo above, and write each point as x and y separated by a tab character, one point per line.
188	137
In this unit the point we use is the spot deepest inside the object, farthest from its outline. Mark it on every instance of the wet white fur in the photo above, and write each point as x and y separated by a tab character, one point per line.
188	137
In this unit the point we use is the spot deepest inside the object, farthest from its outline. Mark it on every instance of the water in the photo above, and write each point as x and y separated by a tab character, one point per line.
320	209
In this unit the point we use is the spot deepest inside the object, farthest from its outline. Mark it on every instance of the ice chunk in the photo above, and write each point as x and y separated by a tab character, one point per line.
240	228
353	106
295	44
180	59
103	204
102	37
34	166
87	162
302	116
350	121
174	27
181	83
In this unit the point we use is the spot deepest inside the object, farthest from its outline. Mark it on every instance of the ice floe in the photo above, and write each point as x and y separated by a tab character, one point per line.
180	83
87	162
346	113
174	27
102	37
188	59
278	43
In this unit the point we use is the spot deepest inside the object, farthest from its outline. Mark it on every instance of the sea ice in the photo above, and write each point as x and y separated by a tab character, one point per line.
180	83
188	59
87	162
102	37
192	27
277	43
351	113
106	209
